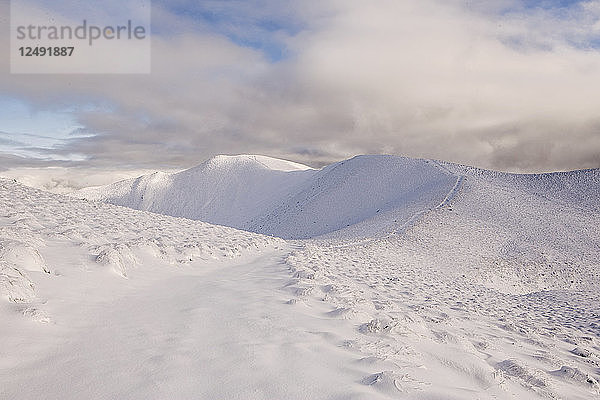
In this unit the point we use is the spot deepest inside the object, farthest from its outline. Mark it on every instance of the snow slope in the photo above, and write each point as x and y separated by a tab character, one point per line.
225	190
111	236
104	302
275	197
465	284
498	290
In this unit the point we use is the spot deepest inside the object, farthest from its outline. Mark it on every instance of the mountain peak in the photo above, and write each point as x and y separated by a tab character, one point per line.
264	161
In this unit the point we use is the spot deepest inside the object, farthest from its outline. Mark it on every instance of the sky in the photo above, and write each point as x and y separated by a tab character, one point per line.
510	85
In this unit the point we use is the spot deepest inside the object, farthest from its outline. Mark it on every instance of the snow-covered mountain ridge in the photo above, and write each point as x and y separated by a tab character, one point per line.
360	197
449	282
271	197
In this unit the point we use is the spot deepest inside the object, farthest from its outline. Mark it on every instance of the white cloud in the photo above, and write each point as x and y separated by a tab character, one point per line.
66	180
516	90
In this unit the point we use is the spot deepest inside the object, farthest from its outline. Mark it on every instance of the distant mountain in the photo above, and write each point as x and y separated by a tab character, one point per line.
365	196
289	200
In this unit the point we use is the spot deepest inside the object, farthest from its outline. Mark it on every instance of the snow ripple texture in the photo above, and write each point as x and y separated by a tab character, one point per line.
498	286
111	235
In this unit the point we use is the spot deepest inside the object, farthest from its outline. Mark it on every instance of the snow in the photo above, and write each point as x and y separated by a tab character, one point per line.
367	194
391	278
225	190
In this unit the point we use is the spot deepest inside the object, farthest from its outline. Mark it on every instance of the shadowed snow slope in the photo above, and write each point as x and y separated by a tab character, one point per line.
284	199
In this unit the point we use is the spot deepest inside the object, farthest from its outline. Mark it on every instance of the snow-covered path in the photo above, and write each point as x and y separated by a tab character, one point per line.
216	332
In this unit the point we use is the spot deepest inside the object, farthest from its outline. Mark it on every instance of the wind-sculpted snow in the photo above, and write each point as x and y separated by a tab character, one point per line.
495	292
33	221
573	188
363	196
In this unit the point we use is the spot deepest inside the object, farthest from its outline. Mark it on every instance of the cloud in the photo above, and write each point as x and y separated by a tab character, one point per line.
60	179
511	88
7	140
